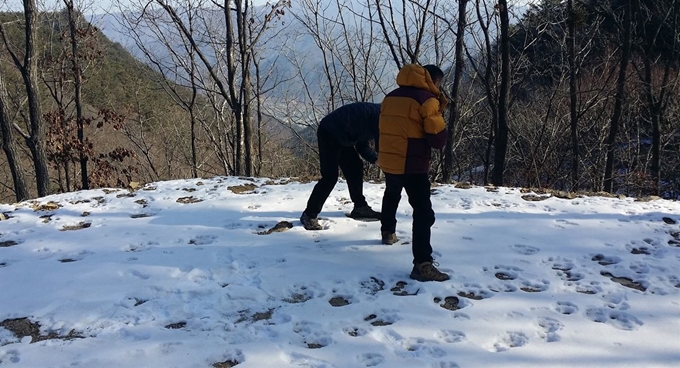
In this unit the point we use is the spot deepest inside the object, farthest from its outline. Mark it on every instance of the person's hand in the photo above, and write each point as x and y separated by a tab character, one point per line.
443	102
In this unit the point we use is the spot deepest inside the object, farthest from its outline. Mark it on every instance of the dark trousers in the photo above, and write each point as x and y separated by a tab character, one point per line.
418	190
332	155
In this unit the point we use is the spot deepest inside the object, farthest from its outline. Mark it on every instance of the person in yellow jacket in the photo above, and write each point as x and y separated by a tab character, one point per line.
411	125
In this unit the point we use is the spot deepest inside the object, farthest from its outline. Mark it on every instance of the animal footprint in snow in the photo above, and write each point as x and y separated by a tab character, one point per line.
589	289
534	287
669	221
566	308
675	241
355	331
617	319
508	340
616	300
370	359
451	303
625	281
385	320
526	250
605	260
401	289
450	336
203	240
506	273
373	285
474	292
548	329
10	356
445	365
565	271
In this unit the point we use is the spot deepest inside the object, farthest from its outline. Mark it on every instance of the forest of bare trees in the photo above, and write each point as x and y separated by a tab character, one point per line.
575	95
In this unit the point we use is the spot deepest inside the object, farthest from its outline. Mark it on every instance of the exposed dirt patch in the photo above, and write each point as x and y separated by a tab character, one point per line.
640	251
188	200
143	202
126	195
257	316
262	316
109	191
338	301
22	327
5	216
85	214
79	226
624	281
139	215
7	243
67	260
176	326
49	206
461	185
189	190
297	298
534	197
504	276
226	364
281	226
669	221
46	218
243	188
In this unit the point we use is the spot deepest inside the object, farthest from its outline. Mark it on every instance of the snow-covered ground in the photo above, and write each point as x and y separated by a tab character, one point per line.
115	278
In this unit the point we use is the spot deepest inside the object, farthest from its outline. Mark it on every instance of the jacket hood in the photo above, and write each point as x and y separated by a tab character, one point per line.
413	75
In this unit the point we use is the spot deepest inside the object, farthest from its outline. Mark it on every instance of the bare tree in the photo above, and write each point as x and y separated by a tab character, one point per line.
573	94
28	67
9	145
72	15
454	116
655	17
626	41
501	145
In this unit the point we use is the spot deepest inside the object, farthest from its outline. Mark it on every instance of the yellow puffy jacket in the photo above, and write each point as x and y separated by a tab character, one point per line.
411	123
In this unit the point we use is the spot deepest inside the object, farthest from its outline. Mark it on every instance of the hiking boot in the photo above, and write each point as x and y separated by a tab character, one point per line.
389	238
310	223
364	212
427	271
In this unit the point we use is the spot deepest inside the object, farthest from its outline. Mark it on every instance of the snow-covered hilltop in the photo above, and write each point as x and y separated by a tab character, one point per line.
186	274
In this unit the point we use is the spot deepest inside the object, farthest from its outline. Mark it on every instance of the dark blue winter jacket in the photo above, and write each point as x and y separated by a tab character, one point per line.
355	125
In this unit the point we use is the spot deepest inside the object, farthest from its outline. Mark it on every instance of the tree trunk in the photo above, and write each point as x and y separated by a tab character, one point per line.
620	96
502	132
29	72
454	115
9	147
246	87
78	97
573	95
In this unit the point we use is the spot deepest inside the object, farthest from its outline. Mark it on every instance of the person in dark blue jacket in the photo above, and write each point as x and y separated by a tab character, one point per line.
343	136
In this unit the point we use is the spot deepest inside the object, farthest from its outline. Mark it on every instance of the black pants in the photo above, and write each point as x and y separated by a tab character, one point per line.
418	190
332	155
